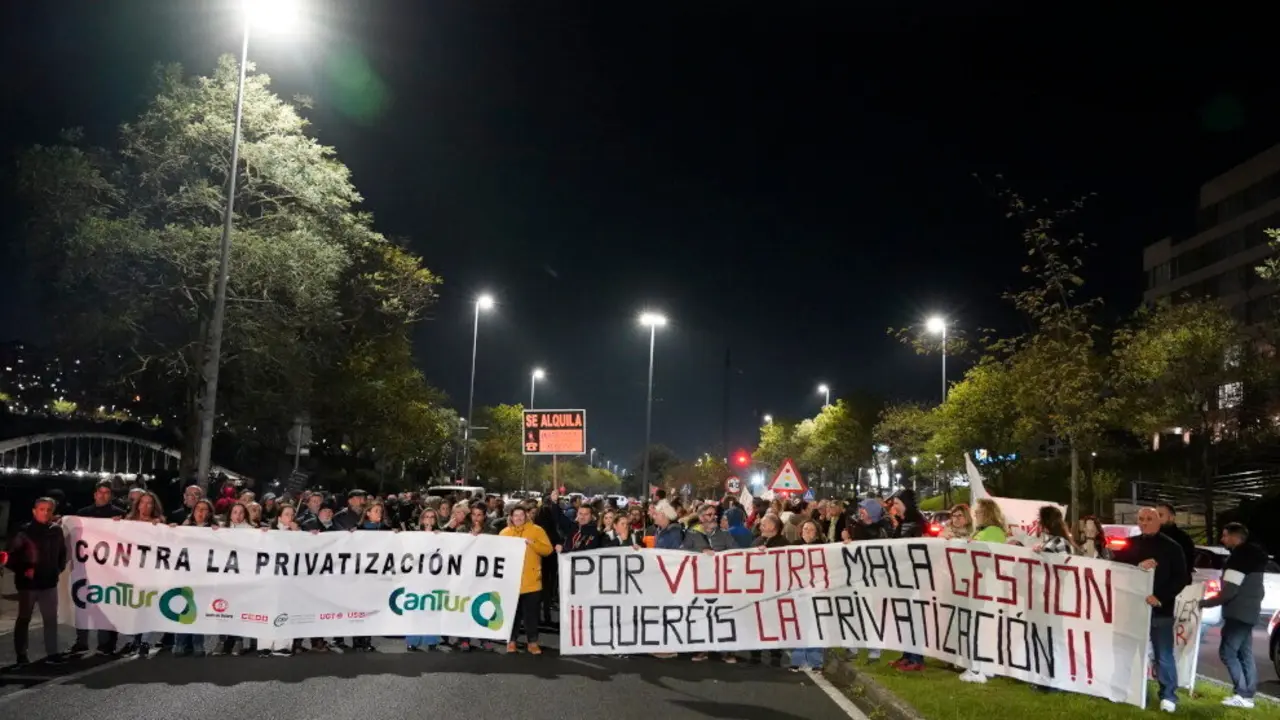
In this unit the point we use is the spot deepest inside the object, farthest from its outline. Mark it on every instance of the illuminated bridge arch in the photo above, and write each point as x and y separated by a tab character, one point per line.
90	454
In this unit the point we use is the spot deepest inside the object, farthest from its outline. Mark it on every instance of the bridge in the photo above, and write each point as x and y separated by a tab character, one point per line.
90	454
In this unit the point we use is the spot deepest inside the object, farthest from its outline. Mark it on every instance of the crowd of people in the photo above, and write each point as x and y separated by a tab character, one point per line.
554	525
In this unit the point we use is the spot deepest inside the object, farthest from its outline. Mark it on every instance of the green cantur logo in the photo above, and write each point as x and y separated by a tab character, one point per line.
84	594
402	601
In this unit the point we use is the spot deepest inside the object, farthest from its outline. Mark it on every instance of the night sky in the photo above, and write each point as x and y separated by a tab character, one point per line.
784	183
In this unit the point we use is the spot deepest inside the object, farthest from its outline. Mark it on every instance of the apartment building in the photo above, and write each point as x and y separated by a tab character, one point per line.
1218	260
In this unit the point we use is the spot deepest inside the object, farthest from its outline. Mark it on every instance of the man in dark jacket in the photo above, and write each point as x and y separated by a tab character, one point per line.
102	508
580	535
1155	551
37	556
349	517
1241	601
192	495
1169	526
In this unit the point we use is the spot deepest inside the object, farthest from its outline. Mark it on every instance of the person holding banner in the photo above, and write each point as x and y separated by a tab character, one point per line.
146	508
427	520
538	546
1156	552
186	644
1241	598
805	659
909	523
102	507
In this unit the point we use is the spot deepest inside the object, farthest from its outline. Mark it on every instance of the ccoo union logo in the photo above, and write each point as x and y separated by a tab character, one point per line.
486	609
176	604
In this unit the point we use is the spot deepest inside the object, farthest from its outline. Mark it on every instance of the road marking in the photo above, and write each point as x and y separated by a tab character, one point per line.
4	699
837	697
583	662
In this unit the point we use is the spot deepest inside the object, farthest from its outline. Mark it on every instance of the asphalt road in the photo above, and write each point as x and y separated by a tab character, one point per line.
1211	666
393	683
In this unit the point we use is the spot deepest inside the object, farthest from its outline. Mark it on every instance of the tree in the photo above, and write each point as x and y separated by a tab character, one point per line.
839	443
661	458
1182	365
127	239
1057	374
780	440
906	428
498	452
574	475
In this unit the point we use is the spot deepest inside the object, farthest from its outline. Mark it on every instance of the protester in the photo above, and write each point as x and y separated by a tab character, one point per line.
146	508
190	497
1093	542
1243	591
189	644
668	534
989	519
909	523
349	517
1155	551
102	508
37	556
539	546
959	524
1169	526
426	643
580	534
621	534
805	659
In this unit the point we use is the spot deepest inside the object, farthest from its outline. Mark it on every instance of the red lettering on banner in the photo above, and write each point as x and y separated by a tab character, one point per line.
977	574
1057	590
1031	564
819	564
757	573
662	565
714	588
1088	655
951	570
725	571
793	570
788	618
1103	596
1009	580
760	627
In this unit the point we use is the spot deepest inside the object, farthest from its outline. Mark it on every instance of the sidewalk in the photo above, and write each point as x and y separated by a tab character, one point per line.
9	614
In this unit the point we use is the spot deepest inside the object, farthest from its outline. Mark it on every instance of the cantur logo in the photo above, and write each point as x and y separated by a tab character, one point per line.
83	594
486	610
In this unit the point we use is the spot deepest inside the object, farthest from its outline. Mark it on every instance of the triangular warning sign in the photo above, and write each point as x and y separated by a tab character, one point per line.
788	479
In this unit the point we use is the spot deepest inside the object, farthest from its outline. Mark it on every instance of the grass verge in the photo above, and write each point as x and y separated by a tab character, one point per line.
932	504
937	694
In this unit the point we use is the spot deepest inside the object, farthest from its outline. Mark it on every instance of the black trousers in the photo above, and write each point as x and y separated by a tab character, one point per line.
107	640
47	601
527	613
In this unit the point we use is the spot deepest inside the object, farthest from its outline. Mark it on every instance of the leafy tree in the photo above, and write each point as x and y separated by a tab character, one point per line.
128	237
906	428
574	475
839	443
661	459
1175	366
498	453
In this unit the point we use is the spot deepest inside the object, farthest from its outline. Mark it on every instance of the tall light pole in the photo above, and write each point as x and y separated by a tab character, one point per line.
768	419
653	321
264	14
591	461
826	394
937	324
534	377
484	302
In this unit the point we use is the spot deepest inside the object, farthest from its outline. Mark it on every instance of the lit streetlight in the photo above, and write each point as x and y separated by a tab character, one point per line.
938	326
768	419
591	460
264	15
534	377
825	390
484	302
653	321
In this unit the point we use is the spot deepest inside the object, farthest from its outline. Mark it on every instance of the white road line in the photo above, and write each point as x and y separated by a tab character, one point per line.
836	696
583	662
5	699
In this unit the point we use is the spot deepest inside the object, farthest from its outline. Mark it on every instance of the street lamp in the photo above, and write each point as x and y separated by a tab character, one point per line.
591	460
484	302
826	394
653	321
534	377
938	326
768	419
264	15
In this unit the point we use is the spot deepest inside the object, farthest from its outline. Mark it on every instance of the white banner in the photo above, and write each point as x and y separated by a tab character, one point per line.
1186	633
272	585
1022	516
1068	622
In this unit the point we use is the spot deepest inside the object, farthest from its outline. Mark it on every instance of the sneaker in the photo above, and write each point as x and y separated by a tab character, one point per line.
264	653
910	667
442	648
77	649
22	660
795	669
464	646
534	649
972	676
512	648
731	659
663	656
59	659
413	648
284	652
699	657
144	651
1238	702
1168	706
898	663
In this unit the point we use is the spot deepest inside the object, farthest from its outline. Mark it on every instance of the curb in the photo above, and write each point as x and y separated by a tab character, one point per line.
870	696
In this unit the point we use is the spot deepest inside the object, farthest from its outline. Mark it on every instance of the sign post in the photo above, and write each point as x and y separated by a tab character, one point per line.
788	481
555	433
733	485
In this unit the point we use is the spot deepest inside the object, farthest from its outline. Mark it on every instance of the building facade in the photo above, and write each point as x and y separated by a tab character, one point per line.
1219	259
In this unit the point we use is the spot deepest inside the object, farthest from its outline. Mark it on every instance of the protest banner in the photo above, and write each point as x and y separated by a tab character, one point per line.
1066	622
136	577
1022	516
1186	633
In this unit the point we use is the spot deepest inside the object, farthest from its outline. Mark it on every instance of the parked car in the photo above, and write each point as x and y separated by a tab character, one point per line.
935	522
1118	535
1273	632
1209	562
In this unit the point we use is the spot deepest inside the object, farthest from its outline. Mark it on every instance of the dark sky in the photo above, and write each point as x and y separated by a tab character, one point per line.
784	180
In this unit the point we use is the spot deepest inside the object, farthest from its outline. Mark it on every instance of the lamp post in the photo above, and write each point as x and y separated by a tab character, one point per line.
825	390
263	13
938	325
534	377
653	321
768	419
484	302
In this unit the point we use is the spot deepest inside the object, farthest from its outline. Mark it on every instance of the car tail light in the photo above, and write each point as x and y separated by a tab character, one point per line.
1117	543
935	529
4	558
1271	626
1212	588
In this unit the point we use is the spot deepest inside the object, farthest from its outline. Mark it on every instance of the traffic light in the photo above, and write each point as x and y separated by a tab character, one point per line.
742	458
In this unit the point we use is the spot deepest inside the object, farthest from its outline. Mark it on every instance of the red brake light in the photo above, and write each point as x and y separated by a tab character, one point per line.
1117	543
935	529
1212	588
4	558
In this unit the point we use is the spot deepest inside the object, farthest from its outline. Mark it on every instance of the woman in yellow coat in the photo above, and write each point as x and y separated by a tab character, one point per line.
537	546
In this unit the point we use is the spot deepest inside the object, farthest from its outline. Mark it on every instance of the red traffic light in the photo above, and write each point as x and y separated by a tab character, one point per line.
742	458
